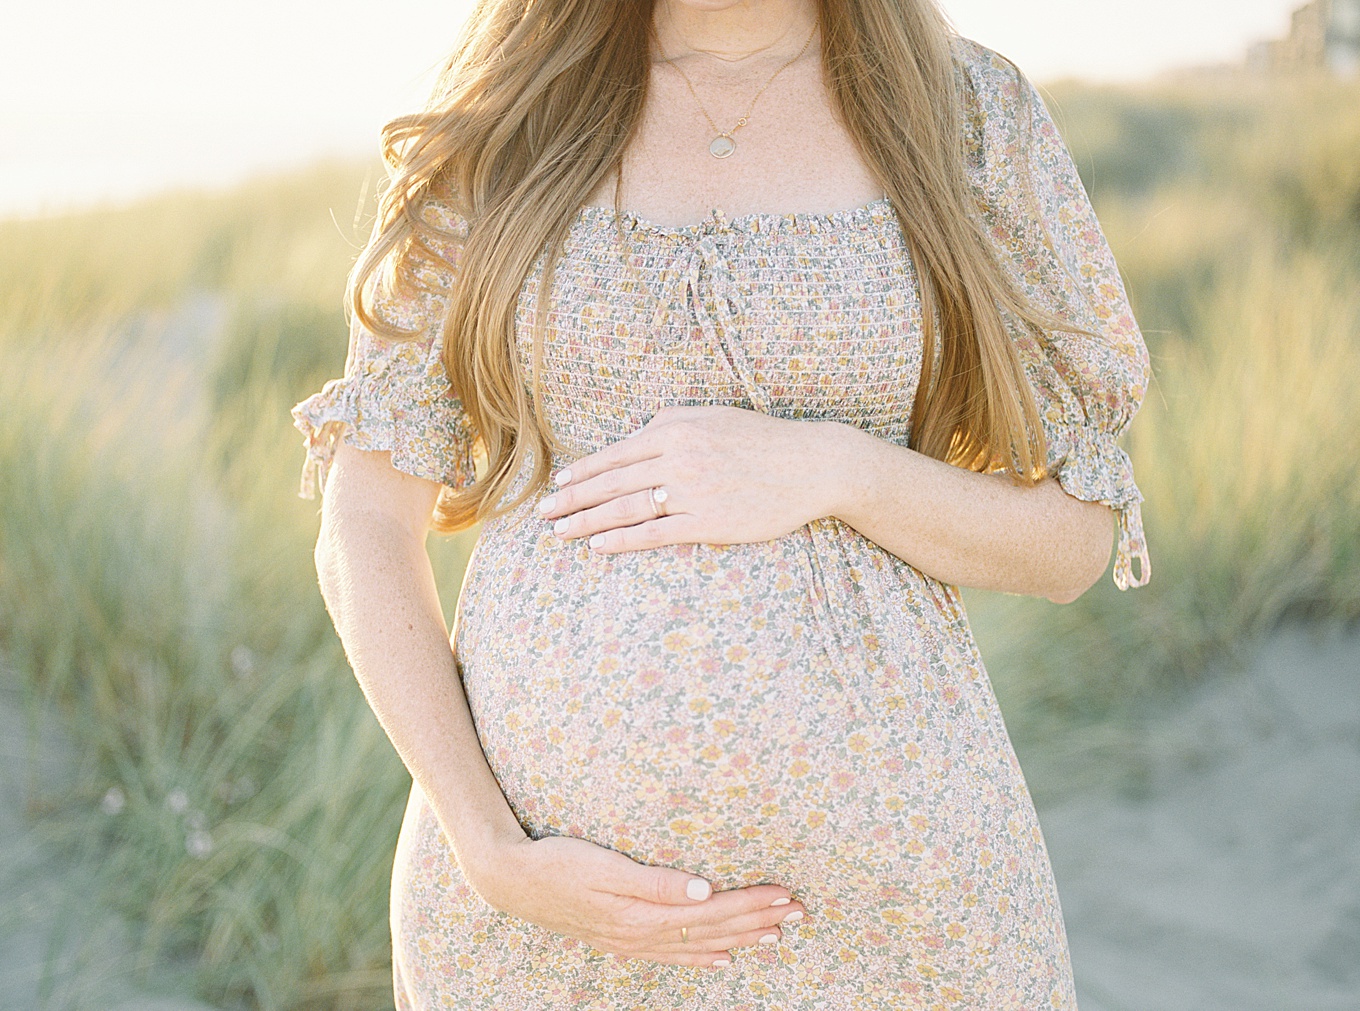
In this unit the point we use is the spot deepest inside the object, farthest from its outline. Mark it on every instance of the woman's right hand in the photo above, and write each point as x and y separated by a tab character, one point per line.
380	589
628	909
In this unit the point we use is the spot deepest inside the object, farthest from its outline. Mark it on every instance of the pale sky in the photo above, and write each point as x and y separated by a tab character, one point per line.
109	101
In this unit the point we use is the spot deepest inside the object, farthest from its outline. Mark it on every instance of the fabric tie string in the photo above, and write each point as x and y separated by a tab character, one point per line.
1132	547
703	282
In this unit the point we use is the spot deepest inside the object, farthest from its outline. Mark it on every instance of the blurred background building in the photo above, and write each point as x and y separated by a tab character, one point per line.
1324	36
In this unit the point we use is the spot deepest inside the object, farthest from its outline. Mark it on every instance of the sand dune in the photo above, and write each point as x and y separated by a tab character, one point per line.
1233	881
60	948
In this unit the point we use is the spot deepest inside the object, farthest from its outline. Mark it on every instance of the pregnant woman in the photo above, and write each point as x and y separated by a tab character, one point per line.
749	330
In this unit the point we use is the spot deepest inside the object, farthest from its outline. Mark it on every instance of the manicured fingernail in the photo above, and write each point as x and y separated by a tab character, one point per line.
560	527
722	963
797	914
562	477
781	902
546	506
770	939
697	889
597	540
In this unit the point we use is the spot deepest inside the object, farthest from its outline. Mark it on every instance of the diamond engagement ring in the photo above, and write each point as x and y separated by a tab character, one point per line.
657	496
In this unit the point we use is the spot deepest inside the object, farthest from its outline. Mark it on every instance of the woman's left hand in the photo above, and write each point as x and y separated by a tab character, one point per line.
729	476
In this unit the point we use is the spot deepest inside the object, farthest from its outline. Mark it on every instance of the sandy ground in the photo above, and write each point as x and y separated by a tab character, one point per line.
59	951
1231	881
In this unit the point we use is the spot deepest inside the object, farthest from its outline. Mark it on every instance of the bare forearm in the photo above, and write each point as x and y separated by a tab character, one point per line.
979	530
380	590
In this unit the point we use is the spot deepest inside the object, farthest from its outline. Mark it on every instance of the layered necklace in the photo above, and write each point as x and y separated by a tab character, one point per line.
724	144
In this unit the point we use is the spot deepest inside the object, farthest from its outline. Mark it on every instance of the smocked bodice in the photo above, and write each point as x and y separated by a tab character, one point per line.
812	316
800	316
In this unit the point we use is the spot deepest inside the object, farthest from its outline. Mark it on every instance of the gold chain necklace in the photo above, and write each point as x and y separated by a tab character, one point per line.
724	144
734	59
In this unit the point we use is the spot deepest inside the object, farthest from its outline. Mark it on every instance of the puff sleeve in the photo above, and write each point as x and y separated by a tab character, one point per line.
395	395
1032	204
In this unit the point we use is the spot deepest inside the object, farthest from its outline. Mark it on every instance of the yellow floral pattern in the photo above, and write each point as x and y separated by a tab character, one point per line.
812	710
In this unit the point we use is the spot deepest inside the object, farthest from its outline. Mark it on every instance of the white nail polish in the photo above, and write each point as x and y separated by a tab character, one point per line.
781	902
597	540
546	506
797	914
722	963
697	888
560	527
562	477
770	939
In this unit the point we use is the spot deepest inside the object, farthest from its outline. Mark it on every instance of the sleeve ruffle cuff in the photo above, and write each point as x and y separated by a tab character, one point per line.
1091	466
428	436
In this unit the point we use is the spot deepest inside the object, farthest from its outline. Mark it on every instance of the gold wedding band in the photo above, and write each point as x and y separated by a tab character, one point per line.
657	496
684	935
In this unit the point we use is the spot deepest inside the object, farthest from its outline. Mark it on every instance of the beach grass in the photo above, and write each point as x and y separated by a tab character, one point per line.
156	583
1235	215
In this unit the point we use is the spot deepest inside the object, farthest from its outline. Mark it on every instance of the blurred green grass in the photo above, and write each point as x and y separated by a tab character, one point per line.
156	582
1234	212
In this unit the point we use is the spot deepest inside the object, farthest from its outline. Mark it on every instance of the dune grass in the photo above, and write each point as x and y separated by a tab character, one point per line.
1235	215
155	565
1246	453
286	238
156	583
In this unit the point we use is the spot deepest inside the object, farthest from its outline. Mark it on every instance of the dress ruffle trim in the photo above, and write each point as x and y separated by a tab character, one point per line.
428	437
1091	466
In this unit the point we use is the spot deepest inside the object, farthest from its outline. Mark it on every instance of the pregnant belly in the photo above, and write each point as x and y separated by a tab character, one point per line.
705	705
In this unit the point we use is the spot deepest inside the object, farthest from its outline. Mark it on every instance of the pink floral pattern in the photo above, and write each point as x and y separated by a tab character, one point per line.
812	710
394	396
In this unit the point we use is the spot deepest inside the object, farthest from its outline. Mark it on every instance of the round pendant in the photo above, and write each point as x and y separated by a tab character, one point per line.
722	146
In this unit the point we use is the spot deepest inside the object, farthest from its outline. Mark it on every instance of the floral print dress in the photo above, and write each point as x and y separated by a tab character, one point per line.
810	711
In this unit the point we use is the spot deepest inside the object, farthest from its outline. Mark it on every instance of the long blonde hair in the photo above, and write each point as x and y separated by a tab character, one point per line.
533	113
